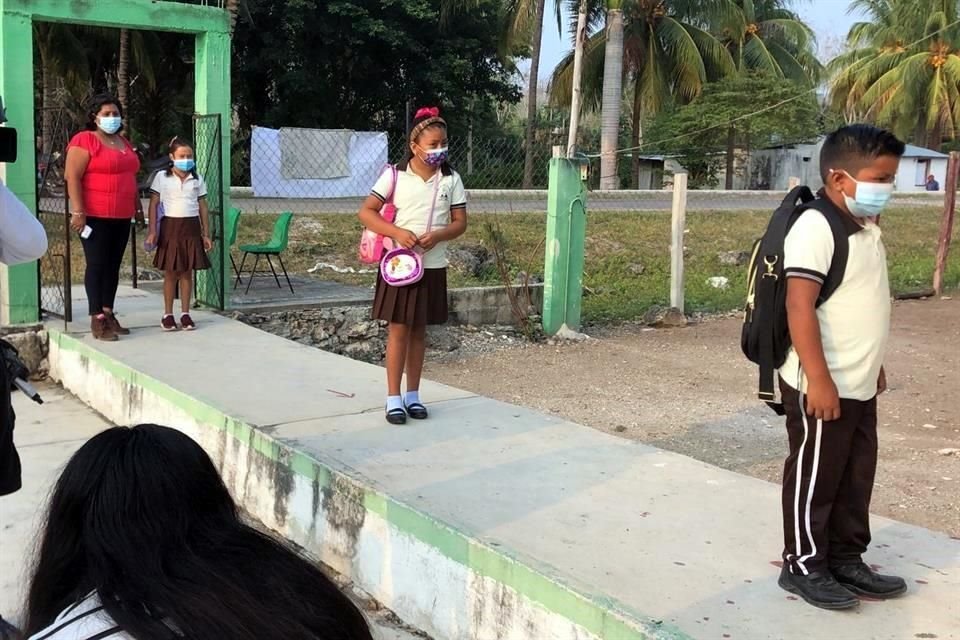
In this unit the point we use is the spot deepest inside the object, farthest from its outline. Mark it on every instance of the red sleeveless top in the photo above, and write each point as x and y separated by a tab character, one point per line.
110	181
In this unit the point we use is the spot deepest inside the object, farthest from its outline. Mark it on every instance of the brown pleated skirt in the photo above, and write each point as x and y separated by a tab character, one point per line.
180	247
417	305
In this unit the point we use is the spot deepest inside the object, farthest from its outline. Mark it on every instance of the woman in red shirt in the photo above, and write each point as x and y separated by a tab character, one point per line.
101	177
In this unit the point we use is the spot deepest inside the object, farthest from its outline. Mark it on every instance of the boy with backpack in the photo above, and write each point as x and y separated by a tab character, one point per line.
819	311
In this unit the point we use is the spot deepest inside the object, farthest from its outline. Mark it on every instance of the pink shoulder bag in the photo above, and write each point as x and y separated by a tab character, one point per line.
373	245
402	267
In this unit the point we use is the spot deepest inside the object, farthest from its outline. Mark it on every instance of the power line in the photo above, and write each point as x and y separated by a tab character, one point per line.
724	125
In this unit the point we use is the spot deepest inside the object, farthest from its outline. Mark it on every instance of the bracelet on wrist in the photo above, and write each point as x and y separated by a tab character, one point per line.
77	213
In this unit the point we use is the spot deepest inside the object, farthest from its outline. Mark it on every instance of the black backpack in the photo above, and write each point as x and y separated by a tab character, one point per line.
765	338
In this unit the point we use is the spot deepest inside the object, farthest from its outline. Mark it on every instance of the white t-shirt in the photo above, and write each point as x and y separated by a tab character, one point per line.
22	237
855	320
414	197
180	198
86	620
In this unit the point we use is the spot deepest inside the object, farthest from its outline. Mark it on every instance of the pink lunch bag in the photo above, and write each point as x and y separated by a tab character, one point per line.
374	245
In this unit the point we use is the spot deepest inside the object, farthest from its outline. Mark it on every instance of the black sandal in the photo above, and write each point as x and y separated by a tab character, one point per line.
397	416
417	411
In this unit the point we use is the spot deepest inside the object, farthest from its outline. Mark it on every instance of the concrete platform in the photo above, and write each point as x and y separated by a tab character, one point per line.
489	520
307	292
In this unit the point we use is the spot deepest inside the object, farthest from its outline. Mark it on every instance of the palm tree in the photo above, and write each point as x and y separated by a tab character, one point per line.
525	17
60	46
902	70
523	23
135	49
123	71
668	54
612	95
765	37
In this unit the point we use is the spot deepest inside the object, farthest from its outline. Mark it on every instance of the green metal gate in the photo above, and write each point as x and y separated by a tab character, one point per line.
207	134
55	273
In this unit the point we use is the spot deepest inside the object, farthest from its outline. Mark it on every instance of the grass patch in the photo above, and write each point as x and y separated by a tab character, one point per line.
616	243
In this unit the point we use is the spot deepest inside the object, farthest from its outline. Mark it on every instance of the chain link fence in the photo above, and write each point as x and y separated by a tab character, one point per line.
308	171
322	177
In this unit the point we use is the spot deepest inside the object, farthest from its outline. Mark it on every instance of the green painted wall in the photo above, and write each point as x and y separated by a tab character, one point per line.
18	285
150	15
212	95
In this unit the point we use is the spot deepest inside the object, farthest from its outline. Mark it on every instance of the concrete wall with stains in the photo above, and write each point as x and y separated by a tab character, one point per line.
433	577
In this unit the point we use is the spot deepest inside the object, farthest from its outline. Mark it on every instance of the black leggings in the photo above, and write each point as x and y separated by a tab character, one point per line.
104	251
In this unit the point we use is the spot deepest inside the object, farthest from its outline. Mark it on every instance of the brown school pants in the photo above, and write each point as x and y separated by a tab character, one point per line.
827	484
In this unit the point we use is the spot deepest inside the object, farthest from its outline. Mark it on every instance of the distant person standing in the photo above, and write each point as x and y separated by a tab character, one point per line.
932	184
101	174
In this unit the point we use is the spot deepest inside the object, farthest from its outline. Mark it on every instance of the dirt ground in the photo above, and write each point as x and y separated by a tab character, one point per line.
691	391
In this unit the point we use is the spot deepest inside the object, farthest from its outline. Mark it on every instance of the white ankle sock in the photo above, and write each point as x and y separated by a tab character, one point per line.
412	398
394	403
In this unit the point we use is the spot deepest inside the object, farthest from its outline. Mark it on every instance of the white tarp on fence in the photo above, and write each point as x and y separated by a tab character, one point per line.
367	157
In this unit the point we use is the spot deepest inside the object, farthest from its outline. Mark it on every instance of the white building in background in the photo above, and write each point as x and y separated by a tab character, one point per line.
917	164
771	169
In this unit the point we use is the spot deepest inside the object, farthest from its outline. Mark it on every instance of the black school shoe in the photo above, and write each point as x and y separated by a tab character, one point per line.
862	580
396	416
417	411
819	588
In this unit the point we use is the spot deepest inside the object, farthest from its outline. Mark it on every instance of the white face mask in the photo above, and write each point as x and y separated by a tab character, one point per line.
871	198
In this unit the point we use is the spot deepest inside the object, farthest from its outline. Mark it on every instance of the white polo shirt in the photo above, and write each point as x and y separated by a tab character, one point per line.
414	197
180	198
855	320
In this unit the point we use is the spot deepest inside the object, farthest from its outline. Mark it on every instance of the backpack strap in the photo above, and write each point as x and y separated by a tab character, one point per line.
841	247
393	185
805	200
769	273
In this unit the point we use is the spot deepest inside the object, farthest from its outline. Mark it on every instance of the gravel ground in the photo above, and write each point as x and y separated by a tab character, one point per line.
691	391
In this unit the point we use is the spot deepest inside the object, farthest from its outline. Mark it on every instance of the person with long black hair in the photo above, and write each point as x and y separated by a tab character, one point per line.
143	541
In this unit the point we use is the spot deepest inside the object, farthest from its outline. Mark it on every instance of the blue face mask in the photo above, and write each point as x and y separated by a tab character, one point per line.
871	198
110	124
185	165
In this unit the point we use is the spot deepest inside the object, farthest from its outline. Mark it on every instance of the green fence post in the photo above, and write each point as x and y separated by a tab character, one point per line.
213	97
19	286
566	231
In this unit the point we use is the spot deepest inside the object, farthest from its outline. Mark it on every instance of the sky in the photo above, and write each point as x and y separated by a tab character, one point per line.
828	18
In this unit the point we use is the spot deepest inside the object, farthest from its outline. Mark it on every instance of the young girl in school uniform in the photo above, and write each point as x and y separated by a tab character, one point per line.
426	188
182	236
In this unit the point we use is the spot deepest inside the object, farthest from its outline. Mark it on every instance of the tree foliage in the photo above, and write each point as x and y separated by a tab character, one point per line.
902	69
356	63
698	133
766	36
